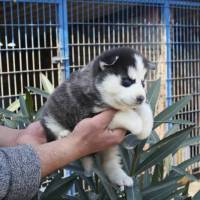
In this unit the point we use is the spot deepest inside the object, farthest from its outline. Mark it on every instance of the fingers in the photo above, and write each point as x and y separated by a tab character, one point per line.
116	136
104	118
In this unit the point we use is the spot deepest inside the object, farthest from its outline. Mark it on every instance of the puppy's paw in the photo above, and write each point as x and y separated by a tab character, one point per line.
128	120
136	128
121	179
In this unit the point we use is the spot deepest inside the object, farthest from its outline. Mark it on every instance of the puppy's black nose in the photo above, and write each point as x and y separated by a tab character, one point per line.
140	99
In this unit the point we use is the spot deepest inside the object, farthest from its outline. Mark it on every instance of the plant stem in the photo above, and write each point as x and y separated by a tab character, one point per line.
135	160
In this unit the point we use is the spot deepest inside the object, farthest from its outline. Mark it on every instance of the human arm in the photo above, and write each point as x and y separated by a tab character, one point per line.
8	136
25	164
89	136
34	134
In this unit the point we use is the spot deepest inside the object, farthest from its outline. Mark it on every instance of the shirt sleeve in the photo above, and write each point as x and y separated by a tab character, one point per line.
20	172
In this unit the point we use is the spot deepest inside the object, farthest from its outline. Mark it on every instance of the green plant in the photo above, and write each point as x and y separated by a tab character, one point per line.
152	181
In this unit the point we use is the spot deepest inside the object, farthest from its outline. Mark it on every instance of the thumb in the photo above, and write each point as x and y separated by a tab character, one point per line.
117	135
104	118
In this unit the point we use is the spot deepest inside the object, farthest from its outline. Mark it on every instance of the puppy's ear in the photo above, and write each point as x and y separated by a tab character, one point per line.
151	65
109	62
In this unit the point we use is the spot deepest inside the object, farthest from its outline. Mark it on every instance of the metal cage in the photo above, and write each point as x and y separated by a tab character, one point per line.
30	39
50	36
166	32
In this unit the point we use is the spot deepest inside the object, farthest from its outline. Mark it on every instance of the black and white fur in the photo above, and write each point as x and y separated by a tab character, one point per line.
115	79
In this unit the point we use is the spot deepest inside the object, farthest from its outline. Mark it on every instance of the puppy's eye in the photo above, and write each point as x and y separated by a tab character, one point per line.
126	82
143	83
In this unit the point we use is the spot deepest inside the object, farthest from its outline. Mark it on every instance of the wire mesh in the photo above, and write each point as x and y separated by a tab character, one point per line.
166	32
28	41
168	37
95	26
185	76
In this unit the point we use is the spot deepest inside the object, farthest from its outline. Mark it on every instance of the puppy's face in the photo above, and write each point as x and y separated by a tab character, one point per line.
121	78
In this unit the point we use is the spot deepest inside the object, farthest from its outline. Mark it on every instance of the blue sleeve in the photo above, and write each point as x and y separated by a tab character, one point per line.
20	172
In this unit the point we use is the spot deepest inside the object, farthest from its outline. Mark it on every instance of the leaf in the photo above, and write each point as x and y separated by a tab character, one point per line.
68	197
189	162
38	114
23	107
171	111
47	85
38	91
160	150
9	123
158	173
7	113
147	178
172	130
177	195
186	189
107	186
181	122
29	105
133	193
153	93
58	187
14	106
125	159
191	141
180	171
153	138
161	190
130	141
135	160
196	196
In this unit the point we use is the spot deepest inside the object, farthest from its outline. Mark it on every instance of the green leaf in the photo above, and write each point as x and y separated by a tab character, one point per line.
153	93
133	193
171	111
153	138
29	105
186	189
23	107
191	141
68	197
58	187
107	186
175	128
125	159
196	196
180	171
189	162
14	106
159	151
177	195
135	160
9	123
161	190
7	113
38	114
147	178
47	85
38	91
158	173
181	122
130	141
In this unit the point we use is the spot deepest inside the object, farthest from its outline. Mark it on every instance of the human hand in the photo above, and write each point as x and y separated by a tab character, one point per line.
94	135
34	134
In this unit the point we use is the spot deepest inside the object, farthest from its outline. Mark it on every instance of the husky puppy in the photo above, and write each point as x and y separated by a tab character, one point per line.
115	79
